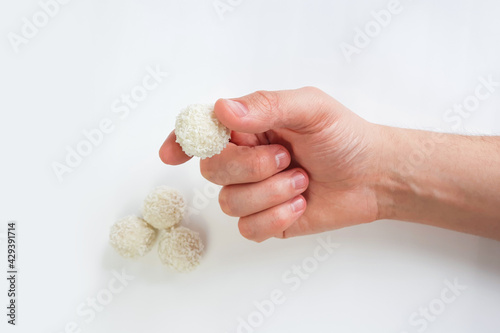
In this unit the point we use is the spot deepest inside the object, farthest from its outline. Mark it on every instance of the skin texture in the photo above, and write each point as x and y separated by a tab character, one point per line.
299	162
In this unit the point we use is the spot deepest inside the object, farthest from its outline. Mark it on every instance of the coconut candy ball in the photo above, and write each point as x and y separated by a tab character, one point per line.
132	237
164	207
199	132
180	249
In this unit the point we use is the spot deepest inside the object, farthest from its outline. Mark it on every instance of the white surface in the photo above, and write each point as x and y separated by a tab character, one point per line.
66	79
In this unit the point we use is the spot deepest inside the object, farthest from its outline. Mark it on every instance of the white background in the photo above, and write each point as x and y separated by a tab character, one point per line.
65	79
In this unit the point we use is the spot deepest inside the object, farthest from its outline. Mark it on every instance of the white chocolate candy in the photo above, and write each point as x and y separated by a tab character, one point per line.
164	207
180	248
199	132
132	237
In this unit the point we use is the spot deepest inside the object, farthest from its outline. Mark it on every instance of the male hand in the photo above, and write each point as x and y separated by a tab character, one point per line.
299	162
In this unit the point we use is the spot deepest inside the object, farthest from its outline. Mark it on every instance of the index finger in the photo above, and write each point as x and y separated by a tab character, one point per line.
171	152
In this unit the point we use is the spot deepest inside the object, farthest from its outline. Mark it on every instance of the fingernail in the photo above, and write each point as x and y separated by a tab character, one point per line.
298	180
281	158
238	109
298	204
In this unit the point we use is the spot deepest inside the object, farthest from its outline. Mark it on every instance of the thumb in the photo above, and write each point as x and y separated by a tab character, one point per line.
300	110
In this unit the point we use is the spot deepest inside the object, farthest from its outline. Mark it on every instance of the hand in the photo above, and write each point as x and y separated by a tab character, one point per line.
299	162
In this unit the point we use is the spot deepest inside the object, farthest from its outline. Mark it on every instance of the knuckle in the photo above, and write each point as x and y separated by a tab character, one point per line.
268	102
237	167
222	178
311	90
210	171
278	220
233	168
225	201
259	165
274	191
245	228
320	99
205	169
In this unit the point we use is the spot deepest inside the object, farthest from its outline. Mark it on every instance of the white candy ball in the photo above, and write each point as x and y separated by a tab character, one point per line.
180	249
164	207
199	132
132	237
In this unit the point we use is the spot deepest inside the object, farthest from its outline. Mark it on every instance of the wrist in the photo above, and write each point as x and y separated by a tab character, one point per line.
411	177
432	178
393	171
